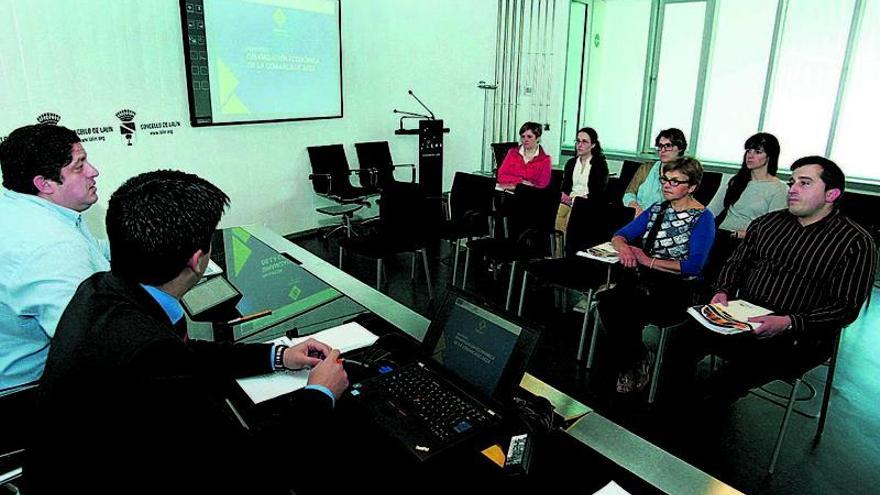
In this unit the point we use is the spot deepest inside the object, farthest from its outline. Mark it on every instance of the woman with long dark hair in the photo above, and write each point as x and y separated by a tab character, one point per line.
585	174
754	190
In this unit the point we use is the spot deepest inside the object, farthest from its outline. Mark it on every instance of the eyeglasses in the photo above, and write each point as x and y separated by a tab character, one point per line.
673	182
582	141
665	147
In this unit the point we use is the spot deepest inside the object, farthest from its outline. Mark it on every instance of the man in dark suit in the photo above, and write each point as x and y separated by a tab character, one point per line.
129	405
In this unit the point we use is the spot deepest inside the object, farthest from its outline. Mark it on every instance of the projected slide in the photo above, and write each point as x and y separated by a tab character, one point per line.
268	280
263	60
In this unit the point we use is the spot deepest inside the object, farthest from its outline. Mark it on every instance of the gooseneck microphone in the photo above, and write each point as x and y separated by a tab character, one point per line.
422	104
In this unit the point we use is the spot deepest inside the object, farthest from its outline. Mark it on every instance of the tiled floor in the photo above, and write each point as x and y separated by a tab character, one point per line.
736	447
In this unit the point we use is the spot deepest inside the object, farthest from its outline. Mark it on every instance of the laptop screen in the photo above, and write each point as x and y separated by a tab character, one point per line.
474	343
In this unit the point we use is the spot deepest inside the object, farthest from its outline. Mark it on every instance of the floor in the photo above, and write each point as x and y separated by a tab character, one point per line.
736	447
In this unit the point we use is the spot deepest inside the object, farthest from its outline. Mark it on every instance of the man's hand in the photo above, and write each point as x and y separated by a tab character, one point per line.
330	374
770	325
719	298
566	199
308	353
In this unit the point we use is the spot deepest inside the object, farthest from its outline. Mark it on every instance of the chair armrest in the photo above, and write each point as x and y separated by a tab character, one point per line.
412	167
328	177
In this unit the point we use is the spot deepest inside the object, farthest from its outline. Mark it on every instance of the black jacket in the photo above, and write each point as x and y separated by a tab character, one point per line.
597	182
127	407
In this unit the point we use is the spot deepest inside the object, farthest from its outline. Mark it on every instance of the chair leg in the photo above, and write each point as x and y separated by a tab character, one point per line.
658	363
784	426
522	293
341	251
826	395
510	286
455	260
427	273
467	261
379	274
412	266
583	340
593	338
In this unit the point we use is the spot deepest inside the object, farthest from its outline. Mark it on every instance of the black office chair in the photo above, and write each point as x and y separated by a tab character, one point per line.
531	228
499	151
795	377
591	223
556	176
628	171
377	167
470	209
406	218
17	408
617	185
330	179
708	187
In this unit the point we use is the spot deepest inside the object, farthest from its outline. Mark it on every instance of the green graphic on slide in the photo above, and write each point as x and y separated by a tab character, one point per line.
294	293
240	251
229	102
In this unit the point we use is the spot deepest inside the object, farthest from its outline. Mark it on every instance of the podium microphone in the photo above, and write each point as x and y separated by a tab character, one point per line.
422	104
411	114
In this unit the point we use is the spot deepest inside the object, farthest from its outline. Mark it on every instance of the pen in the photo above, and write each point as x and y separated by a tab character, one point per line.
351	361
252	316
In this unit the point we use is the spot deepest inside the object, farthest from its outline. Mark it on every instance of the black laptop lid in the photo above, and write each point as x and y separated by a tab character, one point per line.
481	346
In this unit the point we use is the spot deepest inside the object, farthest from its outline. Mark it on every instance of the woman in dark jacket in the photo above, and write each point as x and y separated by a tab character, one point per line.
586	174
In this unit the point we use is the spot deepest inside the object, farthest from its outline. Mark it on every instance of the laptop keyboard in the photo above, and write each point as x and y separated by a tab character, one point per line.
438	407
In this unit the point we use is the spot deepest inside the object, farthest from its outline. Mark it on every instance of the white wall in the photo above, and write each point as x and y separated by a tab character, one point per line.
85	60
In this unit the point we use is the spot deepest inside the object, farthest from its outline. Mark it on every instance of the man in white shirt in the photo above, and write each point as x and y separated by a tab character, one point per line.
46	248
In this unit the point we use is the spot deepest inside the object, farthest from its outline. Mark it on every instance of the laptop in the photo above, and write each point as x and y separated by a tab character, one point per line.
467	368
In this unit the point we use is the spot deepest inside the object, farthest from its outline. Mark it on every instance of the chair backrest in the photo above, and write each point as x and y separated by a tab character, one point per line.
405	211
593	222
329	160
708	187
375	163
556	176
533	215
499	151
628	171
471	195
614	191
17	409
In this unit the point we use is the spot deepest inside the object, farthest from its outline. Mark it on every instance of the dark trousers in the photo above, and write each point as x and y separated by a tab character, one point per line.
635	302
748	361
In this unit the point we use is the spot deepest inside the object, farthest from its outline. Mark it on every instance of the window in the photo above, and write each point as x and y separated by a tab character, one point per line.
616	72
722	70
734	87
808	72
857	126
678	67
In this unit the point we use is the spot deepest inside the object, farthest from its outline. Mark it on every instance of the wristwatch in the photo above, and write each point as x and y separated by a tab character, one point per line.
279	357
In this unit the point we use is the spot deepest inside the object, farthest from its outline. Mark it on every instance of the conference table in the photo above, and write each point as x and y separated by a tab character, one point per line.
308	294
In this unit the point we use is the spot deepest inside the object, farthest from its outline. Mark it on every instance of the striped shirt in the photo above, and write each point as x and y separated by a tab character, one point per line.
819	274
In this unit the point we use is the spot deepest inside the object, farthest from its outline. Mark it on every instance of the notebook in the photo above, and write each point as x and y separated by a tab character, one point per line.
469	363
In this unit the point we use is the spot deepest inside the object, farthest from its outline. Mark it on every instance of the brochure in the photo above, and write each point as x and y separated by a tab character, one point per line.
730	319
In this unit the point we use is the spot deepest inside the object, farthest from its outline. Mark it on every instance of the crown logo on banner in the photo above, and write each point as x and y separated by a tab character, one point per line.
125	115
48	118
127	127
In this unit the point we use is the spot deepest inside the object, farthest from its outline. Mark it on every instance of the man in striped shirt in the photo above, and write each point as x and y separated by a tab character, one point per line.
810	264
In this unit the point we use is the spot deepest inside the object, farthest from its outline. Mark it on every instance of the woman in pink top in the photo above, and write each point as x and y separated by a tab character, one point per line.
527	164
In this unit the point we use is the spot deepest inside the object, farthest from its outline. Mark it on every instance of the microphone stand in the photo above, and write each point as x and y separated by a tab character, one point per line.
422	104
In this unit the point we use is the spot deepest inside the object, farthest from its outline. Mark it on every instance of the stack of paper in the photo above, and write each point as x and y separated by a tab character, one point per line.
346	337
604	252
